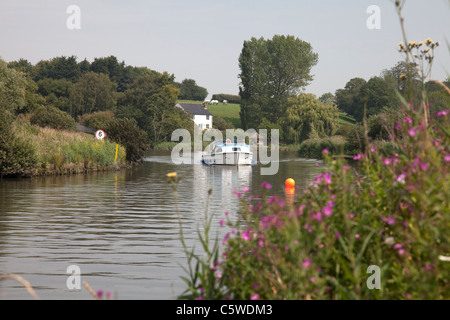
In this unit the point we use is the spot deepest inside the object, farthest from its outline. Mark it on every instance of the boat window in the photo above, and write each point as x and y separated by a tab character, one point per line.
219	150
236	149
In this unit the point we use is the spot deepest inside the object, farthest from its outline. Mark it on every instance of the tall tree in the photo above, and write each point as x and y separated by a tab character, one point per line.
189	90
93	92
348	99
272	70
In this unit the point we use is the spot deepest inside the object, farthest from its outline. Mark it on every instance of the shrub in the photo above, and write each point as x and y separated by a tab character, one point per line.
221	124
229	97
312	148
127	133
52	117
17	157
96	120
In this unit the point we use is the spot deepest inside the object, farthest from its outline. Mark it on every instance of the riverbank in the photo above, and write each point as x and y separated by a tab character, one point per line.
40	151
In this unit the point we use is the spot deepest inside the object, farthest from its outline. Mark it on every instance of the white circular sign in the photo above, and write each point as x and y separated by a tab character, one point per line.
100	134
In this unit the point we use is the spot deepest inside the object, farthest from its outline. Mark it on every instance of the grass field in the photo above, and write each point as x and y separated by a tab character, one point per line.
228	112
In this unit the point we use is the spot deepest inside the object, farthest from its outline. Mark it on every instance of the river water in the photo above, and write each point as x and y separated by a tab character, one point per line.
120	229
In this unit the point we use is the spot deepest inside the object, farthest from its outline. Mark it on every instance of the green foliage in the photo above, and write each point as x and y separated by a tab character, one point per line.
17	156
229	97
375	95
52	117
392	212
269	126
271	71
222	124
13	86
306	117
127	133
312	148
92	92
189	90
57	68
96	120
348	99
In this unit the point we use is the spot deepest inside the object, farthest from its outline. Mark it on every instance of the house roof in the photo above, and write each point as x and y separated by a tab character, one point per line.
194	108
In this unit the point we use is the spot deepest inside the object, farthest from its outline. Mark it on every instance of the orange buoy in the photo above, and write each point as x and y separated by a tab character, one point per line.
290	183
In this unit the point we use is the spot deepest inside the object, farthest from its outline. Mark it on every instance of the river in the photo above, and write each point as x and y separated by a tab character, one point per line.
120	229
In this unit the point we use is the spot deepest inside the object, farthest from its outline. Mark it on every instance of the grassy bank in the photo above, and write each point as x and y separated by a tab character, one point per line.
49	151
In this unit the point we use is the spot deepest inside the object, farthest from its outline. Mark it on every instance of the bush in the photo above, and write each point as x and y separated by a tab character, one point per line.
52	117
96	120
127	133
17	157
229	97
312	148
221	124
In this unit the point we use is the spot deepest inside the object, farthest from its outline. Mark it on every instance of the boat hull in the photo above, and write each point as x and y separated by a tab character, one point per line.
230	158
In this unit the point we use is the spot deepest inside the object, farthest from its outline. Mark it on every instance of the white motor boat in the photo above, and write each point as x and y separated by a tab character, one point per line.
227	152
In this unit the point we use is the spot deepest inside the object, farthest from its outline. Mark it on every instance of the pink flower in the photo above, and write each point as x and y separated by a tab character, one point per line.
400	178
423	166
373	149
306	263
401	252
246	235
318	216
447	158
412	132
245	189
219	275
328	210
325	151
357	236
254	297
338	235
407	120
312	279
358	157
398	246
390	221
224	241
323	177
387	161
266	185
222	223
443	113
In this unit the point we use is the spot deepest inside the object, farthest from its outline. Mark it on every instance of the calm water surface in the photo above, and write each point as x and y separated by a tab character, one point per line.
120	228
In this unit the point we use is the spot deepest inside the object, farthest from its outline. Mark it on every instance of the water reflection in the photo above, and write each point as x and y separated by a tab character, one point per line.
120	228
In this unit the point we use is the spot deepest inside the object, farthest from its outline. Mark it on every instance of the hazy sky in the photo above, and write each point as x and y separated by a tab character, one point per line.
202	39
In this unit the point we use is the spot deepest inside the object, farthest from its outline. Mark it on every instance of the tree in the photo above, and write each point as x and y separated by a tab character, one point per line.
189	90
378	95
151	100
306	117
272	71
109	66
327	98
127	133
57	68
17	154
93	92
52	117
348	99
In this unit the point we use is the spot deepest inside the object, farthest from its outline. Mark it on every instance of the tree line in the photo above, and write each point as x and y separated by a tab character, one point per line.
139	102
275	72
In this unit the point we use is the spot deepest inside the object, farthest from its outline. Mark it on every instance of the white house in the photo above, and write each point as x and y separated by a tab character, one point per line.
199	113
